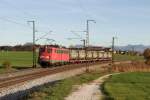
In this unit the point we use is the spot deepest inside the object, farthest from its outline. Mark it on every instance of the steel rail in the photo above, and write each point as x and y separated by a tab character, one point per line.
43	72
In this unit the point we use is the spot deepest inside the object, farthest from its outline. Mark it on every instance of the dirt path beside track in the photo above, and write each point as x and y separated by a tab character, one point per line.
90	91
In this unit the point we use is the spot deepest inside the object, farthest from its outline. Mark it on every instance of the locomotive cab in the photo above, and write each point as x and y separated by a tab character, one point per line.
49	55
44	55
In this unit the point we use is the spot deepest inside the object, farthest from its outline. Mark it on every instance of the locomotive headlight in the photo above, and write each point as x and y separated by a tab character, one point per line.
42	57
47	57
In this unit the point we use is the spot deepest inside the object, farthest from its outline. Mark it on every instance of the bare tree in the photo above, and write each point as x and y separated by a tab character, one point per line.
146	55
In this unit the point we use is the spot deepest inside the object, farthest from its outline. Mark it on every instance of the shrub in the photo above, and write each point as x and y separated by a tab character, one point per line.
147	62
6	65
146	55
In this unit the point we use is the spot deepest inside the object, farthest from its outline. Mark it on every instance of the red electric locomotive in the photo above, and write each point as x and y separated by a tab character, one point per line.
50	55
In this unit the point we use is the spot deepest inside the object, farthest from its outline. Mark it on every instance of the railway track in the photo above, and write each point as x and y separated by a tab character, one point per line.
6	82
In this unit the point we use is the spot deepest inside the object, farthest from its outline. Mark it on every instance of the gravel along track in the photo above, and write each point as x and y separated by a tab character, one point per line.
12	88
30	74
19	72
36	73
5	82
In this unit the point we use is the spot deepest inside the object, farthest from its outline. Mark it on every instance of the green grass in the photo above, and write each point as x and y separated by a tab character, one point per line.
62	88
24	58
119	57
128	86
17	58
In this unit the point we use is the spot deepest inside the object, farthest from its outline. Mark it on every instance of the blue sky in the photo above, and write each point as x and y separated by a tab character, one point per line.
126	19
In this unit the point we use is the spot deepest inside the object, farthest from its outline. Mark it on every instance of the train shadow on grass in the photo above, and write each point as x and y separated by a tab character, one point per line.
18	67
22	67
1	67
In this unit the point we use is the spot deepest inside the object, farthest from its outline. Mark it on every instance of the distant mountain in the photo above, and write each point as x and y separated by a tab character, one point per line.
139	48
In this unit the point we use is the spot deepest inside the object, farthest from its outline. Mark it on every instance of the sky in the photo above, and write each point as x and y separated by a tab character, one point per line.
128	20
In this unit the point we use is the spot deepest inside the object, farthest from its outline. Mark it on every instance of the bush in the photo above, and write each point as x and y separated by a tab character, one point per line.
6	65
146	55
147	62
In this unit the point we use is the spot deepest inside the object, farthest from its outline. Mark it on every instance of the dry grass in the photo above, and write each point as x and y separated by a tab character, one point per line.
7	65
135	66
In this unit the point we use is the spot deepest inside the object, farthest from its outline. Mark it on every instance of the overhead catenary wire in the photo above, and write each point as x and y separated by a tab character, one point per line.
21	11
87	12
14	22
43	36
27	14
76	34
84	10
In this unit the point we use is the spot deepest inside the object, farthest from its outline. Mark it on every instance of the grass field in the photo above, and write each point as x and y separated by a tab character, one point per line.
24	59
128	86
62	88
19	58
119	57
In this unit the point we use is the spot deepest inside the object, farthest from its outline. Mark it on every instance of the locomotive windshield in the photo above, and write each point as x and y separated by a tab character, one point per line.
49	50
42	49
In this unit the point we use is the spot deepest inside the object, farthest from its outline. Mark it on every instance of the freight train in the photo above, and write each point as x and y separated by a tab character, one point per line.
55	55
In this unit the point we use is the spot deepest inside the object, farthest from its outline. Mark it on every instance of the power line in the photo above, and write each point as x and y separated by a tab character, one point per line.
113	48
85	11
14	22
34	52
28	15
76	34
87	32
43	36
19	10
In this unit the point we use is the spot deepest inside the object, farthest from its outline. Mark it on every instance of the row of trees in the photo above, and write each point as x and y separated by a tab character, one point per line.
132	53
25	47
